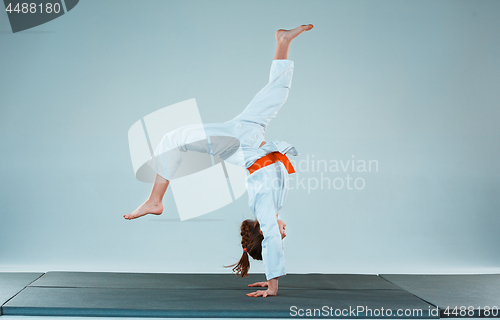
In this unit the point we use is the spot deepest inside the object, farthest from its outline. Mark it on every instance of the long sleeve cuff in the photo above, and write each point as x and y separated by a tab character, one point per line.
273	256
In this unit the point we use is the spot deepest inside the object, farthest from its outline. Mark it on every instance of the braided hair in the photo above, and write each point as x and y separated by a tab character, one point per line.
251	242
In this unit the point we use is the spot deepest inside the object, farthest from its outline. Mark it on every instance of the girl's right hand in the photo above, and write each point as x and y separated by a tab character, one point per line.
282	225
259	284
261	293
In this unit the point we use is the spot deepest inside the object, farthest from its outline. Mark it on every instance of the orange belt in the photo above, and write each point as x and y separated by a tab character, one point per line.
270	159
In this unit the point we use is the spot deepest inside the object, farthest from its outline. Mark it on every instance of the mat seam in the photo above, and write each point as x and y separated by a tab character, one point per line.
439	316
1	307
194	288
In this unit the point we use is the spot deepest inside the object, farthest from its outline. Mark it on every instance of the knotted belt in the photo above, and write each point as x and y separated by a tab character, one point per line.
271	158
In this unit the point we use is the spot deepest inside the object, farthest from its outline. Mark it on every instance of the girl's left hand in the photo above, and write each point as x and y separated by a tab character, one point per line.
259	284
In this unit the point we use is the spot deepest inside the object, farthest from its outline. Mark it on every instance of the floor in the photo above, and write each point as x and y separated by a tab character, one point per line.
162	295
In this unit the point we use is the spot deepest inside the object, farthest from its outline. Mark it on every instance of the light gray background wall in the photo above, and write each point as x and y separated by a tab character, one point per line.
410	84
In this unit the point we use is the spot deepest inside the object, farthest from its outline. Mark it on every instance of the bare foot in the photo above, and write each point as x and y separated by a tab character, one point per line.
289	35
148	207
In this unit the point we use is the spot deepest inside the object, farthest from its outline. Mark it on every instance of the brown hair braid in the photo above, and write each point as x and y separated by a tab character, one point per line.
251	239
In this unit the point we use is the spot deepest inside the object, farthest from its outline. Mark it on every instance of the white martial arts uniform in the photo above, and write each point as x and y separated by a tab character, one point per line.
237	141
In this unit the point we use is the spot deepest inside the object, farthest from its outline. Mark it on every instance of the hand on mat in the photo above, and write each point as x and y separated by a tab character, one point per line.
282	226
262	293
259	284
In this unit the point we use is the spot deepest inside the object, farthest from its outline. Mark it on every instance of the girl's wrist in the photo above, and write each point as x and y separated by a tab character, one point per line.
271	292
272	286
